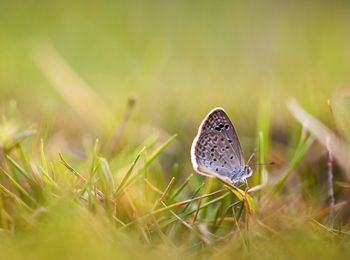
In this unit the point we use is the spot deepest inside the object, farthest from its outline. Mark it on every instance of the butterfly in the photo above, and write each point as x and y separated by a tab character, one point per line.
216	151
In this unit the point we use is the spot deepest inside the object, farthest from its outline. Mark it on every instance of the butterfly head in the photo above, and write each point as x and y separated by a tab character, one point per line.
248	171
242	174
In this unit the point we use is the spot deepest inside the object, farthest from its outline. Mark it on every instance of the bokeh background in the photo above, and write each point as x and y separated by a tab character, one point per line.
179	58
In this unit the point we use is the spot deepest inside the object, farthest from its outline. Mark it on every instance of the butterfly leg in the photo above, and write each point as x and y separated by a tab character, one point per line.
246	183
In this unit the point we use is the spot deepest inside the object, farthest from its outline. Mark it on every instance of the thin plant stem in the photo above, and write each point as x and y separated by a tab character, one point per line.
330	184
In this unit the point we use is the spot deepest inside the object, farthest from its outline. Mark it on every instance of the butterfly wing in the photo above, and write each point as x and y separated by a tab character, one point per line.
216	149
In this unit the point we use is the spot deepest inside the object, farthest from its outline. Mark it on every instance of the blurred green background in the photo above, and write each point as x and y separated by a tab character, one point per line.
179	58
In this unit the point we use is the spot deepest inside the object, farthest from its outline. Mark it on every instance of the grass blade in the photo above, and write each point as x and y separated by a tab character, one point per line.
298	156
18	186
15	197
240	194
180	189
128	174
152	158
13	164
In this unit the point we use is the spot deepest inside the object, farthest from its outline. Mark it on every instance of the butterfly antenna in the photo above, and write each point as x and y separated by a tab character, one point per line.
251	156
269	163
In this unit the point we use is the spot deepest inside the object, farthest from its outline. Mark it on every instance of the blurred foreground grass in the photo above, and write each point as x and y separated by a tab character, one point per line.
126	203
66	72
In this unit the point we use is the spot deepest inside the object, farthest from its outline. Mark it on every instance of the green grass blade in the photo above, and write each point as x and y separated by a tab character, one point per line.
128	174
194	195
106	177
159	150
261	156
18	186
15	197
240	194
202	206
13	164
301	150
180	189
152	157
179	204
44	167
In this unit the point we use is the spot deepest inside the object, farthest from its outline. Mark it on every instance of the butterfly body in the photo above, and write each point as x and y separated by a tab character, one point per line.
216	151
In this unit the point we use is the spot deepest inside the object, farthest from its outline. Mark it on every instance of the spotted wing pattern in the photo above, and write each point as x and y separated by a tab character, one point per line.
216	149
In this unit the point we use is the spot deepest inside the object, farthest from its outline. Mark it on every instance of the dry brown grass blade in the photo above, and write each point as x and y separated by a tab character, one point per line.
154	188
325	211
116	136
174	205
200	235
70	86
164	194
340	149
343	185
